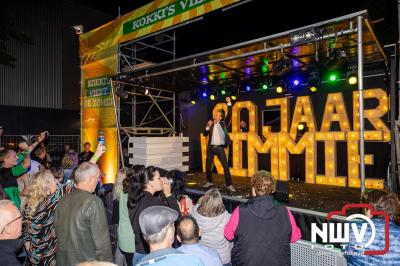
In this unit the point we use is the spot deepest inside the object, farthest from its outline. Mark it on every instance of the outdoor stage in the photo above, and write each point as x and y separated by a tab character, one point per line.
319	198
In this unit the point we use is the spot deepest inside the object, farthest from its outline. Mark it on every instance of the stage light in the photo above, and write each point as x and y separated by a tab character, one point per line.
248	88
313	89
146	92
279	89
264	86
223	92
296	82
212	97
313	82
300	127
352	80
233	97
333	77
204	94
352	75
193	102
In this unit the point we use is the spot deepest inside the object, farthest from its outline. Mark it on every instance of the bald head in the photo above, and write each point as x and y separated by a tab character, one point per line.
188	231
10	220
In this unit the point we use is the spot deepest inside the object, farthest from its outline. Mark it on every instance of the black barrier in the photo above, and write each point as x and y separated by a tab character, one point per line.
304	218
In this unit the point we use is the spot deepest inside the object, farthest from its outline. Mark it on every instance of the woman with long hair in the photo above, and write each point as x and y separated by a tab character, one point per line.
126	237
143	185
212	218
178	189
38	216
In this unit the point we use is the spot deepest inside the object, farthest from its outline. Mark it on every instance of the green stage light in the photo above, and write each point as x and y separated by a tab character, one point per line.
264	86
333	77
223	92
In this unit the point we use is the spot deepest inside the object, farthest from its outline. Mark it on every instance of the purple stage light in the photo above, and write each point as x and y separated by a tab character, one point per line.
204	94
296	82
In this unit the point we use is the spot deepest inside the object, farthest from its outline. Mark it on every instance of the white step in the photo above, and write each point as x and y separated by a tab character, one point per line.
158	140
149	151
161	161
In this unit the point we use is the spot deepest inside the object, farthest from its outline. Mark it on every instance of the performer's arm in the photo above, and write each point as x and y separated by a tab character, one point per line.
232	225
207	130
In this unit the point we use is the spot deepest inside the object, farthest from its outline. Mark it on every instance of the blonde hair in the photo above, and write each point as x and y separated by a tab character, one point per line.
38	190
211	204
263	183
119	183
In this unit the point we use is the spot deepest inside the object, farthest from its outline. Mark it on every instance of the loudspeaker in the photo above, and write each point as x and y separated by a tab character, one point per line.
282	191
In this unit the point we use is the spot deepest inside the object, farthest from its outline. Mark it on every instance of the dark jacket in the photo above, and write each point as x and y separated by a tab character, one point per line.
82	230
263	234
8	252
148	200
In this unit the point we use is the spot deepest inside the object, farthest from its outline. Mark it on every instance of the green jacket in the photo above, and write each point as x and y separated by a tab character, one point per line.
81	227
126	237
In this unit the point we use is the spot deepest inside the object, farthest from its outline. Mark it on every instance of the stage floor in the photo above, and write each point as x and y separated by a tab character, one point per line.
321	198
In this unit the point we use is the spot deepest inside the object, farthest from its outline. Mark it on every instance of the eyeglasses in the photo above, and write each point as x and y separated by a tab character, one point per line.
2	231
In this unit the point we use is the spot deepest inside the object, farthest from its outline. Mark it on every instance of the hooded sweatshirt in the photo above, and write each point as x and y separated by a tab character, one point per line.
212	236
262	231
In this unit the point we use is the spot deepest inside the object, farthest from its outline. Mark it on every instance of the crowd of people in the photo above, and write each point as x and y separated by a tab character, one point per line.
56	218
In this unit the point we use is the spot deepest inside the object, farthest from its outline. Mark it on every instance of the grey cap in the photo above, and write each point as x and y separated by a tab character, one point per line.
153	219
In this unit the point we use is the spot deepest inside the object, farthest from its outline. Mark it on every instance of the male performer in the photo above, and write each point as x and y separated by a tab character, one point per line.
217	142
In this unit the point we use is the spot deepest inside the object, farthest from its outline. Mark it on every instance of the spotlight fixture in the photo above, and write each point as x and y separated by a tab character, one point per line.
279	89
193	102
146	91
233	97
223	91
352	74
212	97
333	77
204	94
313	82
303	36
264	86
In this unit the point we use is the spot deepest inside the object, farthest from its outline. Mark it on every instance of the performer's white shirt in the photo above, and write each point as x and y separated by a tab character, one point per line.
218	136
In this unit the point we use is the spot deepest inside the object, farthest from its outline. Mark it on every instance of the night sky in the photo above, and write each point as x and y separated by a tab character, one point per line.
260	18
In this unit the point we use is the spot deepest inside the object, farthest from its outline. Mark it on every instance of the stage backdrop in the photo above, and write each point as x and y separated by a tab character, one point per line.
99	61
328	153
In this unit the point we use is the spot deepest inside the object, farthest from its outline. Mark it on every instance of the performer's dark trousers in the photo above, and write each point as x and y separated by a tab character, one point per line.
219	151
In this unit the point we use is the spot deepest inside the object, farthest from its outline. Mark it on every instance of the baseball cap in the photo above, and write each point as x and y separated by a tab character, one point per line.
153	219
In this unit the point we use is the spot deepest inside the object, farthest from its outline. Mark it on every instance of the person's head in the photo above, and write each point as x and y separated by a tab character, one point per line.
152	180
243	124
96	263
42	185
133	184
157	226
86	146
40	152
211	204
86	176
188	231
22	145
178	185
10	221
8	158
382	200
58	173
218	114
67	147
118	185
262	183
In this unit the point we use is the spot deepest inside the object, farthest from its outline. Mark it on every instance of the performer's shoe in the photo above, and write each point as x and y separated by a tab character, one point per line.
208	184
231	188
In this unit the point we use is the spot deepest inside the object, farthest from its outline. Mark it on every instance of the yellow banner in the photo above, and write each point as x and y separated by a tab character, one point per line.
99	60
